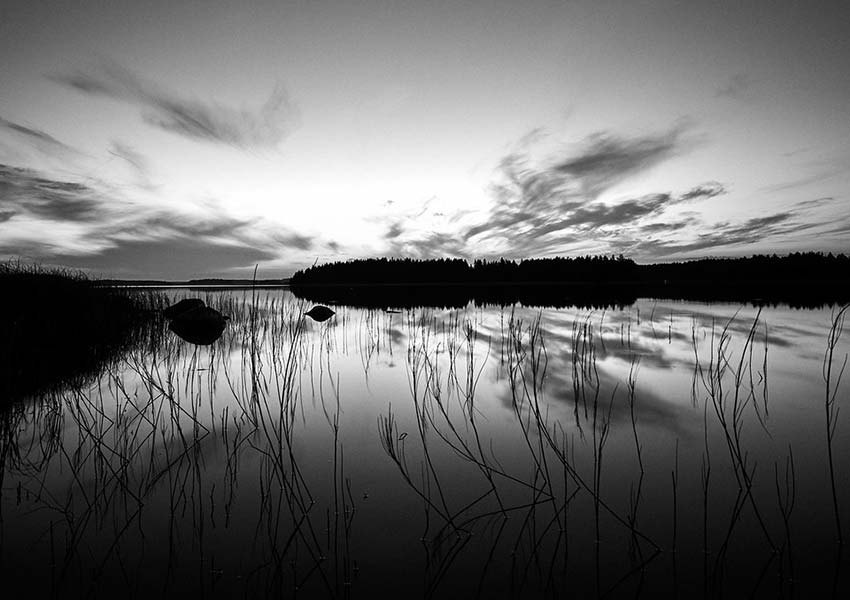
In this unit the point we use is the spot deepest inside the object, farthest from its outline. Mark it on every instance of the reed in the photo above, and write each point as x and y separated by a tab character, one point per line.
831	406
249	442
61	328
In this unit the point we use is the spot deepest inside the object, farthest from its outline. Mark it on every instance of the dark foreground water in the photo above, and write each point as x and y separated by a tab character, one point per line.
665	449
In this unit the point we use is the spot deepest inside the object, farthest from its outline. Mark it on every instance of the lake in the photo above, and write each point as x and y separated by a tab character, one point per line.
662	448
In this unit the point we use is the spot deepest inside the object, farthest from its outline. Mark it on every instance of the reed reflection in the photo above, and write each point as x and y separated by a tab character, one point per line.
520	452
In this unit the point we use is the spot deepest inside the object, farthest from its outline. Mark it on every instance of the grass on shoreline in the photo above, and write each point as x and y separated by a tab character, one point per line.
58	326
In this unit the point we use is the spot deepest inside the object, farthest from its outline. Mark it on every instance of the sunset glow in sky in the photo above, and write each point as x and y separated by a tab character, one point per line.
187	139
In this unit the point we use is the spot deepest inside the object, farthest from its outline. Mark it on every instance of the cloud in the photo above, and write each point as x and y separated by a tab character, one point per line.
25	191
722	237
432	245
294	240
553	206
133	158
170	258
429	228
101	230
213	223
530	201
803	224
654	205
263	127
137	163
607	159
43	142
395	230
599	215
704	191
824	201
666	226
758	224
214	227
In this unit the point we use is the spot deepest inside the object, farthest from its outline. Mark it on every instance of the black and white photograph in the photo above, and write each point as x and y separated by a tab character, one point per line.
424	299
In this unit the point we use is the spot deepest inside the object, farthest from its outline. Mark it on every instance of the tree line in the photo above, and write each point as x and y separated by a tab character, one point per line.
600	269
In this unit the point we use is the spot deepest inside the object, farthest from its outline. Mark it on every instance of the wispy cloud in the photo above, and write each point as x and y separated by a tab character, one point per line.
108	233
170	258
705	191
607	159
540	207
263	126
25	191
816	202
666	226
532	204
294	240
556	207
137	163
42	141
722	237
432	245
133	158
598	214
394	230
171	223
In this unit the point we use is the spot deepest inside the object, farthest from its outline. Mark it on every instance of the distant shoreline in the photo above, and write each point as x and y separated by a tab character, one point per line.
192	283
800	279
797	267
195	286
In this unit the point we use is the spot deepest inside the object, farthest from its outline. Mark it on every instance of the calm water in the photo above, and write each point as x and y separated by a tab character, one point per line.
665	448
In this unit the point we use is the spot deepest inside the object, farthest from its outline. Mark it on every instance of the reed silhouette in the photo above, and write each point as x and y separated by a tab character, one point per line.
59	327
532	454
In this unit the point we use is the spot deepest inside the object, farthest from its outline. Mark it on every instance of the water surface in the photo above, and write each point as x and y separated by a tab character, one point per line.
663	448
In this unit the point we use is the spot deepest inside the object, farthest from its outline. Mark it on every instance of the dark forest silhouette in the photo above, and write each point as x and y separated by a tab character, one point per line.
800	279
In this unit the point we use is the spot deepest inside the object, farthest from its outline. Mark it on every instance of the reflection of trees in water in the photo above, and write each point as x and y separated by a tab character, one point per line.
199	460
580	295
460	296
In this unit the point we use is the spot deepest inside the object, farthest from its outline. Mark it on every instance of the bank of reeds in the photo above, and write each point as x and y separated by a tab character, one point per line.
58	327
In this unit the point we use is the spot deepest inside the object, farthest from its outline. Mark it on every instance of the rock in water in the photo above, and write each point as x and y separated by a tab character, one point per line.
201	325
320	313
186	304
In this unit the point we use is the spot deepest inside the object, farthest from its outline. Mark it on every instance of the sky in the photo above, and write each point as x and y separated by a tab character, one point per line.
183	139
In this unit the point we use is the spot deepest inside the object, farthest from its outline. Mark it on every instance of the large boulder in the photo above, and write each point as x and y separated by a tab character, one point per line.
186	304
201	325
